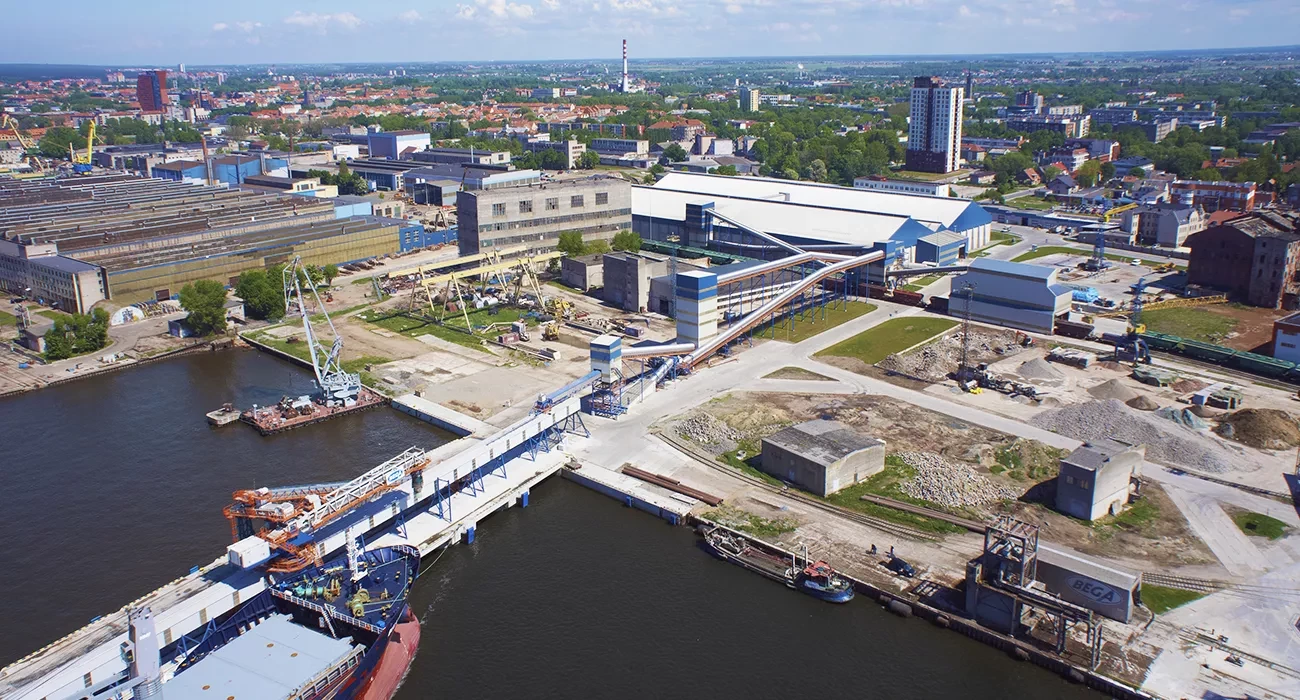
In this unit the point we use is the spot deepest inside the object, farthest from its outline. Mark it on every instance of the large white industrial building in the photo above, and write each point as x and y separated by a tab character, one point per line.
761	217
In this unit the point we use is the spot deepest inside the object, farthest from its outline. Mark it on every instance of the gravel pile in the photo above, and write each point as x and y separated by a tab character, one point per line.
1040	369
1113	389
1166	441
706	430
1143	403
935	361
950	484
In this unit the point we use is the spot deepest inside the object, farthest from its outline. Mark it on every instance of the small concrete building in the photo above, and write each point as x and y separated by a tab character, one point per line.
1097	478
583	272
822	456
627	276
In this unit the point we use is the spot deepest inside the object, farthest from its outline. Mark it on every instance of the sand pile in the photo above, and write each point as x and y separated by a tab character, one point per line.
1264	428
1113	389
1143	403
1039	369
1188	386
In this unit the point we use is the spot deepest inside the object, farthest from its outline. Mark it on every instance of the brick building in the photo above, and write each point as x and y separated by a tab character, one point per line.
1255	258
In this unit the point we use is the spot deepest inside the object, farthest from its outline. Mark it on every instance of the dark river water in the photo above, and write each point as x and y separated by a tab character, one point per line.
112	486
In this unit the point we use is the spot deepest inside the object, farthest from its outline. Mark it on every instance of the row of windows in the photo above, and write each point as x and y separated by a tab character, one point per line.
535	238
576	201
553	220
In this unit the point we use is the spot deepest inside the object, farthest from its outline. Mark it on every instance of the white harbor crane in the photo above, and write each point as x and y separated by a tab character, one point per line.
336	385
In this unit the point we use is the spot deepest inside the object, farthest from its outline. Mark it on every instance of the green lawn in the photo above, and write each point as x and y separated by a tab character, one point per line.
1193	323
1030	203
359	364
1159	599
895	335
813	324
298	349
921	283
1000	238
1260	525
927	177
414	326
54	315
8	319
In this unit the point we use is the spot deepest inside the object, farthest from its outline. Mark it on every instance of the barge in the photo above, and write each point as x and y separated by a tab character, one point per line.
292	412
816	579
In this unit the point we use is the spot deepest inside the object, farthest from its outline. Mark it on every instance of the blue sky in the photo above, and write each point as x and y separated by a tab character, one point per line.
136	32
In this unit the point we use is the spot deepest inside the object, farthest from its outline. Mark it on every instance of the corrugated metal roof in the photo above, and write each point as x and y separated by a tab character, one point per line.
943	238
271	661
1094	568
1015	269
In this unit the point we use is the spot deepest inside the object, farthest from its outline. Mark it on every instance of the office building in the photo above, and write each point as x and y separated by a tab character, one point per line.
470	156
38	272
619	147
1030	101
151	91
934	128
749	99
515	219
883	184
571	150
1166	224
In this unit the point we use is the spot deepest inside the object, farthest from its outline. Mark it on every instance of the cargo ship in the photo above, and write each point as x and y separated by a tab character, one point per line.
339	630
816	579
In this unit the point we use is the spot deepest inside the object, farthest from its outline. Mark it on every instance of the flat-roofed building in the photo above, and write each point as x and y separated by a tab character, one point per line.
39	272
1097	479
822	456
1017	295
638	147
515	219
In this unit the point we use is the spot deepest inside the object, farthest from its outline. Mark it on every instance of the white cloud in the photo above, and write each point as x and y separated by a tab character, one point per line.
323	22
410	16
495	10
220	27
965	11
551	4
247	27
734	9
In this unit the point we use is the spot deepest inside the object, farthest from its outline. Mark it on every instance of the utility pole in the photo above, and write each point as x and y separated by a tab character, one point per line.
969	290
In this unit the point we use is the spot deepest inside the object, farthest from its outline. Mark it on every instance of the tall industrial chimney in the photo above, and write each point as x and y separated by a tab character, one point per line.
625	85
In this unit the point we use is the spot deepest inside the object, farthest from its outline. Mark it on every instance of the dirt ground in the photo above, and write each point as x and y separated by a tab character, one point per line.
1254	331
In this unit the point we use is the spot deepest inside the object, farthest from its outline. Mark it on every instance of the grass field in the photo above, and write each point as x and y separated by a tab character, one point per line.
1193	323
1030	203
1159	599
810	327
875	344
8	319
1000	238
54	315
1260	525
927	177
922	282
414	327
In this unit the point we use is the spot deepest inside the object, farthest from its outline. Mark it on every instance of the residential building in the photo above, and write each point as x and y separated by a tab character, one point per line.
1030	100
749	99
1100	150
934	126
512	219
876	182
395	145
1214	196
1097	479
1075	127
546	93
1125	165
1063	184
1071	158
1155	130
151	91
37	271
1164	224
1065	111
1113	116
822	456
1254	258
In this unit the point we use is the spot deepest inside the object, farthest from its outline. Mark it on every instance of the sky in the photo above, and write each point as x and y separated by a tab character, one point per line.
148	32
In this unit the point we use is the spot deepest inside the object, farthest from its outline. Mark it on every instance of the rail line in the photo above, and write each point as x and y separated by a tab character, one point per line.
877	523
1207	586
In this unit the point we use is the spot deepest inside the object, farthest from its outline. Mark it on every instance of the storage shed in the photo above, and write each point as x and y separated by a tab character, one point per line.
941	247
1017	295
822	456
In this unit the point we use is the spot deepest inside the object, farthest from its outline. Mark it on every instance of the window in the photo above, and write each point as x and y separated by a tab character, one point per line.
602	198
525	206
575	201
552	204
499	209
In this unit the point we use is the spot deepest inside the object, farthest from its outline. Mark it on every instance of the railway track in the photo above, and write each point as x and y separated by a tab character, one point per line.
1207	586
860	518
1260	379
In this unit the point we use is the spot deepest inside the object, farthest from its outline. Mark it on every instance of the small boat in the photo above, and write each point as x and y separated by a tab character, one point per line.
816	579
820	581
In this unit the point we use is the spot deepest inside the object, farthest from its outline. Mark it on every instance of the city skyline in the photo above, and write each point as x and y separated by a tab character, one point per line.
245	32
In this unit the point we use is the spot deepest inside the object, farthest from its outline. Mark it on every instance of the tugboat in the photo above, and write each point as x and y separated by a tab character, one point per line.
817	579
820	581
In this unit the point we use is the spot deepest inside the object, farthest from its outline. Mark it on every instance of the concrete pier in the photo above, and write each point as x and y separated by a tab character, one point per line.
441	416
673	507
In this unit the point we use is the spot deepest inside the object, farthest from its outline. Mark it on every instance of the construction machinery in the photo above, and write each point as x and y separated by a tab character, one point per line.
336	386
81	162
1131	346
551	331
29	146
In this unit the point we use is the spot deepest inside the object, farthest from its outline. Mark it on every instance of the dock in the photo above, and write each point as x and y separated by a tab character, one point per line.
223	416
634	493
436	414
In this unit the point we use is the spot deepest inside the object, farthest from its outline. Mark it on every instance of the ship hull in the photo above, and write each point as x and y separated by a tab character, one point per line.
394	661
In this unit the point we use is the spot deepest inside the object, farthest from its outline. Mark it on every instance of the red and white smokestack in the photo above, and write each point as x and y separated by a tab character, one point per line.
625	84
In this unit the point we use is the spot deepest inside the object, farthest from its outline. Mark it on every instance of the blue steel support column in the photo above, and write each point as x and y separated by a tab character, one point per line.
523	500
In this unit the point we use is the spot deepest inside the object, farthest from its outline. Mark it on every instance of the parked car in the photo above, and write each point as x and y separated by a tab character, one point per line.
900	566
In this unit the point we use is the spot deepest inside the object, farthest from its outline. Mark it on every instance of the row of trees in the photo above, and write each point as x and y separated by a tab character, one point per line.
572	245
54	144
261	290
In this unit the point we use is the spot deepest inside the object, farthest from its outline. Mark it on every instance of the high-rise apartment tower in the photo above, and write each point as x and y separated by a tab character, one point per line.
934	131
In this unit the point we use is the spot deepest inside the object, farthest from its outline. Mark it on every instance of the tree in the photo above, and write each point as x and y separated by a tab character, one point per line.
1089	173
56	140
816	170
675	153
658	169
331	271
1137	172
57	343
588	160
206	302
236	132
77	334
1107	171
570	244
315	275
1209	174
262	293
1050	173
629	241
649	179
726	170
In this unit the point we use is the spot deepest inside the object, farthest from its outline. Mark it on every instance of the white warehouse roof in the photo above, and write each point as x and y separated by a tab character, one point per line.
780	218
949	212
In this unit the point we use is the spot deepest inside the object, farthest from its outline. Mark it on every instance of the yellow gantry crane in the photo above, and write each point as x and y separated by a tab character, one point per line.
29	146
81	161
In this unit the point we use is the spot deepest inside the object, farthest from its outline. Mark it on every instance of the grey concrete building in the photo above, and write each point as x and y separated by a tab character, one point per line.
1097	478
1018	295
627	278
514	219
1164	224
822	456
583	272
37	271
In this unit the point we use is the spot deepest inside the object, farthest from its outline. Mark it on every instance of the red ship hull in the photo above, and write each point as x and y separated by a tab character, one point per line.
392	667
